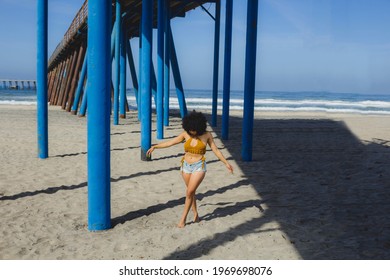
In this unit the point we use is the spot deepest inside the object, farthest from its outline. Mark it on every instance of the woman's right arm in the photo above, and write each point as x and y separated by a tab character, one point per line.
178	139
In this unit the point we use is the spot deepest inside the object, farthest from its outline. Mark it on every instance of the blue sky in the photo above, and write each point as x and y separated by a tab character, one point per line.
303	45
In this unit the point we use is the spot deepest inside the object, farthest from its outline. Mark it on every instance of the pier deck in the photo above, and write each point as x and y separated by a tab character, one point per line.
131	14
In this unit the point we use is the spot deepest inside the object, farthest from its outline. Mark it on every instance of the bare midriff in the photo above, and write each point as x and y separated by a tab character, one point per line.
191	158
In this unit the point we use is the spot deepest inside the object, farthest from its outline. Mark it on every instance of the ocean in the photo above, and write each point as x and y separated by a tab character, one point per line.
264	101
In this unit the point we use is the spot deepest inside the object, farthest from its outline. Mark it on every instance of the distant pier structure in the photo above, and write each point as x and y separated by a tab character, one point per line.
18	84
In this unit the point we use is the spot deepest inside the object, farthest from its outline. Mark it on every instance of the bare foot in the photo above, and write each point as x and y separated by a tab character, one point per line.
196	219
181	225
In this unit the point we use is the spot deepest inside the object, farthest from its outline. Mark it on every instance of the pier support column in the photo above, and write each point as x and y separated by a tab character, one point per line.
145	73
84	101
133	73
76	76
42	110
167	51
139	107
177	77
250	77
227	69
80	86
154	85
214	108
122	78
98	121
117	61
160	70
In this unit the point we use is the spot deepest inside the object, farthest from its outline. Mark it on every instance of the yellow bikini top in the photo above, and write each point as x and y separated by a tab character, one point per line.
199	148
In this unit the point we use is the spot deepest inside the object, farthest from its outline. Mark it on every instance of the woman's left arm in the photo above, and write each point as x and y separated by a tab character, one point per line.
218	153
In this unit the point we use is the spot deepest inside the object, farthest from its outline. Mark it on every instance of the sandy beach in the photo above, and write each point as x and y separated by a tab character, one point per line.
318	188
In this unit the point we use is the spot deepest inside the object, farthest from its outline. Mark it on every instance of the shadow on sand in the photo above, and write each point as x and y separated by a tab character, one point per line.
329	192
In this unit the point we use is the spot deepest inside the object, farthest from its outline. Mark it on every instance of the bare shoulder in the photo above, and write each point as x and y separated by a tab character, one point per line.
178	139
208	137
208	134
184	135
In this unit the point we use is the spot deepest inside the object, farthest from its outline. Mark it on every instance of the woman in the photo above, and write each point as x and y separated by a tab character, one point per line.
193	165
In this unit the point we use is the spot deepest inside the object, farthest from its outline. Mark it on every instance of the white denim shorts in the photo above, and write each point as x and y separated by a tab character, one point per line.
199	166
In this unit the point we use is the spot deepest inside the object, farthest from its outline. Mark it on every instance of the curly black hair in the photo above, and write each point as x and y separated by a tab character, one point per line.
195	121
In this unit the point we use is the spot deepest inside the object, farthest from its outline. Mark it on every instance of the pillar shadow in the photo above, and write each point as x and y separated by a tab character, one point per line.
55	189
170	204
328	191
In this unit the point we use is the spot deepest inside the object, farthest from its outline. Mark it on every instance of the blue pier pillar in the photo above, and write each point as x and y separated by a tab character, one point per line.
167	51
250	77
227	69
80	86
154	85
117	61
98	124
214	108
160	70
84	102
146	81
140	72
42	110
177	77
133	73
113	38
122	79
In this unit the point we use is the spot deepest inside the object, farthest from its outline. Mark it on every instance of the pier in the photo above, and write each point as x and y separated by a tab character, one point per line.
80	77
18	84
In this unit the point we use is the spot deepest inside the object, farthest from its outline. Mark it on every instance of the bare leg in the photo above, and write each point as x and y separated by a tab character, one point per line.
193	183
195	210
186	178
